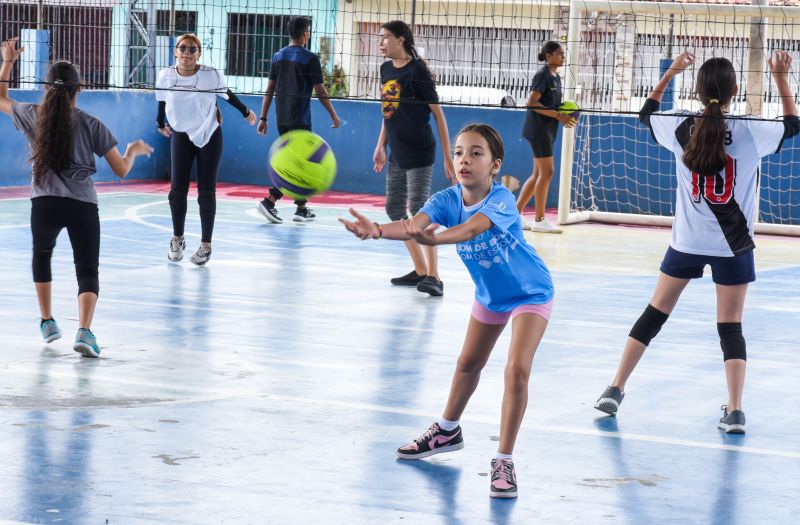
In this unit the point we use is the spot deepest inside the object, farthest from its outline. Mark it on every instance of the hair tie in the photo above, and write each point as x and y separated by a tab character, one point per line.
713	101
58	82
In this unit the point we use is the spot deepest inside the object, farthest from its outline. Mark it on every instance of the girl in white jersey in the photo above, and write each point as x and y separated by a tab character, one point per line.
511	282
717	166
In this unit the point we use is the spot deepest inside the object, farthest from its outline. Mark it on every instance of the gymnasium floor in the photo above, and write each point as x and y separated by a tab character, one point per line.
273	386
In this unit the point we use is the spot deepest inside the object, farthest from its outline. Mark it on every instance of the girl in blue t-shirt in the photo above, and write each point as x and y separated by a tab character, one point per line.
511	282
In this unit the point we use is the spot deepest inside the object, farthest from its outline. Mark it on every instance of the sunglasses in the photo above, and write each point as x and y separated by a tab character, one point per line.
190	49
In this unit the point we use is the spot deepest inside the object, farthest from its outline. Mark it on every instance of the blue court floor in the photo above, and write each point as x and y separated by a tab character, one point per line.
273	386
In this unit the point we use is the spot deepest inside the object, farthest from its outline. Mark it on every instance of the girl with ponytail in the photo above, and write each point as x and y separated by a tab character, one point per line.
64	141
540	129
717	158
409	97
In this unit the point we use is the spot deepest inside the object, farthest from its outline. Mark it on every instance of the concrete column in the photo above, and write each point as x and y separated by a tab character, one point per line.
624	49
755	62
35	61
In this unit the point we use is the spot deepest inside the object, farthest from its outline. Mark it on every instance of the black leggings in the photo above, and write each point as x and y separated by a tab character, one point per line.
49	215
184	153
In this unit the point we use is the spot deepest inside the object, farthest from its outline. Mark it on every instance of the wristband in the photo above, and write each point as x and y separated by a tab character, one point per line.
263	119
380	231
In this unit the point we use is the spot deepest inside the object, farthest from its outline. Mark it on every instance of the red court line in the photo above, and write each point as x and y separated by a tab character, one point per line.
224	190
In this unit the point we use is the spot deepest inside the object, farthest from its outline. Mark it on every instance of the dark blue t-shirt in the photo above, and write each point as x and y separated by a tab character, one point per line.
549	86
296	71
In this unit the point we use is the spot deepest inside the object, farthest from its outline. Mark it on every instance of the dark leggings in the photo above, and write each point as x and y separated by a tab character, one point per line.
49	215
275	192
184	152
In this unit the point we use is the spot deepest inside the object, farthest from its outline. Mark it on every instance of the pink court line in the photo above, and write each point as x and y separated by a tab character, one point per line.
225	190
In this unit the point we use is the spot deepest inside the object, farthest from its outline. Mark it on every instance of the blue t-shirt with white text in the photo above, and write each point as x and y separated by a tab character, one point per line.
506	270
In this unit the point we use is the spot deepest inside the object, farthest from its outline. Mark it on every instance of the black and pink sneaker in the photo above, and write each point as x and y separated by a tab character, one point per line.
433	441
504	479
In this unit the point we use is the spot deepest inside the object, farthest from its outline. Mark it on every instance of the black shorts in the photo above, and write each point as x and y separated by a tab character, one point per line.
737	269
542	146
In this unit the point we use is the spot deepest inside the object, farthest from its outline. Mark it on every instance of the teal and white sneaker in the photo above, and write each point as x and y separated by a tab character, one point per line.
86	344
50	331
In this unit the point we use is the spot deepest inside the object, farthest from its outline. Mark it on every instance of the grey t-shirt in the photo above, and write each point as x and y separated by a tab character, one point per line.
91	138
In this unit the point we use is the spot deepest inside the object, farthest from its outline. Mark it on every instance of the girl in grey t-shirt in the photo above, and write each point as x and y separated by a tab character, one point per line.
64	141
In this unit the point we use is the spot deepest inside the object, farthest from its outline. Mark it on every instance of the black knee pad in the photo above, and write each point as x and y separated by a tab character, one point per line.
648	325
732	341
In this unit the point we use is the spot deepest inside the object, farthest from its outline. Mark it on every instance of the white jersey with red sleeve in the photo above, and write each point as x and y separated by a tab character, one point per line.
714	214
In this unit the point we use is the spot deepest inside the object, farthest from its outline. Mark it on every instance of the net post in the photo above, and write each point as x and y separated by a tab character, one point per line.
755	83
568	134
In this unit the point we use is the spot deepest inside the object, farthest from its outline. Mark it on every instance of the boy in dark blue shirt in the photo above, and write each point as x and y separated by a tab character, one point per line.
294	73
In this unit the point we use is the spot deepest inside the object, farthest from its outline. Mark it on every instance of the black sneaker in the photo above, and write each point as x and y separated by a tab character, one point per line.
504	479
409	279
732	423
303	215
433	441
609	401
267	209
431	285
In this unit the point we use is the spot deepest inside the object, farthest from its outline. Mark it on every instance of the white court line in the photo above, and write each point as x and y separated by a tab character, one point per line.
28	224
316	402
546	428
228	307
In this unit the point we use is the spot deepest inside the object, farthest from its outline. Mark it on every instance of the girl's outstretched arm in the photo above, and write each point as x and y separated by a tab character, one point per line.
680	63
10	55
364	229
780	65
427	235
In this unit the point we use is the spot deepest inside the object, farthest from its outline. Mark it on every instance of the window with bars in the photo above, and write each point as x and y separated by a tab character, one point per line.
81	35
252	40
490	57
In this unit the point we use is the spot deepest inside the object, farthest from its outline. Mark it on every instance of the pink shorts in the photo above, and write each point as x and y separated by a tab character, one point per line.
486	316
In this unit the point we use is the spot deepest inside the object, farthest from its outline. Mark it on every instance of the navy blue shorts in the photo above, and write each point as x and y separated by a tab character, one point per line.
738	269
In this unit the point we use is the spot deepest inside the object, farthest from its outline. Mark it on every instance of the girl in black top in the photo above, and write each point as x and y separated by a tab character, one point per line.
541	126
409	98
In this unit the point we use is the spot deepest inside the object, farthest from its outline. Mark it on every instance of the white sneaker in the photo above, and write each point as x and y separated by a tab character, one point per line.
176	247
202	255
544	226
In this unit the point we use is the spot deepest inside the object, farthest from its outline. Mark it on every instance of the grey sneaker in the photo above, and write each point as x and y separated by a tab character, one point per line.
732	423
176	247
610	400
86	344
267	209
202	255
50	331
504	479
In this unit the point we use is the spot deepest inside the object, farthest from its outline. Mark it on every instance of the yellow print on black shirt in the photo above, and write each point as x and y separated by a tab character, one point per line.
390	98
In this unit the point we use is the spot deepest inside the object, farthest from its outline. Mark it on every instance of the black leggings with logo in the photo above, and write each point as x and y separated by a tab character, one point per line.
50	215
184	153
